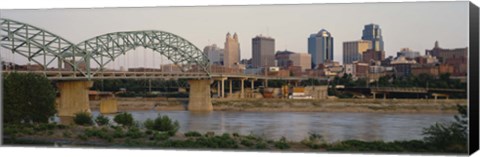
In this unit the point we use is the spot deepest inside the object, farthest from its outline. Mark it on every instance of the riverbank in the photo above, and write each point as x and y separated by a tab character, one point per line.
133	137
289	105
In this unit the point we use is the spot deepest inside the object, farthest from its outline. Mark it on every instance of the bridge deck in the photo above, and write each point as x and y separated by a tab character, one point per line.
70	75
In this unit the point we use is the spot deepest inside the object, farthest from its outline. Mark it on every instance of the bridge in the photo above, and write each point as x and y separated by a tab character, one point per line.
75	65
435	92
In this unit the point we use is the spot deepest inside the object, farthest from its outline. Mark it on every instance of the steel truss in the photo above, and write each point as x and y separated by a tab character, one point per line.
33	42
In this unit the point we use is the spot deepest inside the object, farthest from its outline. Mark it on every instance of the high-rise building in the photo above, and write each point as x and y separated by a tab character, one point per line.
286	59
320	47
231	54
371	55
373	33
302	60
283	58
214	54
353	50
444	54
407	53
263	51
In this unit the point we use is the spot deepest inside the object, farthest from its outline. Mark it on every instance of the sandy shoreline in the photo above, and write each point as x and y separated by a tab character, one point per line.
289	105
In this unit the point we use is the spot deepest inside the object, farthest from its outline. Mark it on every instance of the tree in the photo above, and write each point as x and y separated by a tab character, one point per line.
102	120
125	119
83	118
162	123
28	98
450	137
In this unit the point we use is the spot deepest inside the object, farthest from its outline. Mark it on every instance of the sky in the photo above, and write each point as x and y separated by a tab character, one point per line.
416	25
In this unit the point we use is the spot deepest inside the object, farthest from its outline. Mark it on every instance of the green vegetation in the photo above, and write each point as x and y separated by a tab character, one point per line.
163	124
125	119
192	134
450	137
282	143
439	138
83	118
102	120
28	98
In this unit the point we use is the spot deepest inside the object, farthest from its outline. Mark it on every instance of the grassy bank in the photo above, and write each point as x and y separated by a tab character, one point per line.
133	137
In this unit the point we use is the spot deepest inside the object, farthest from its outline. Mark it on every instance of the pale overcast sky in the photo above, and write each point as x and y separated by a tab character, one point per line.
414	25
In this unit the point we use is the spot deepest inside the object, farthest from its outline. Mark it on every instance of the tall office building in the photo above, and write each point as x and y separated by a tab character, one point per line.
263	51
231	54
371	55
353	50
408	53
320	47
214	54
373	33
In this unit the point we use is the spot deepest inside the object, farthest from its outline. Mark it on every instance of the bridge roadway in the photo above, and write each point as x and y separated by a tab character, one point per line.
72	76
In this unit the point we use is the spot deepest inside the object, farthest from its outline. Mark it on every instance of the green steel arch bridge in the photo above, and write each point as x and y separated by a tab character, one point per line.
43	48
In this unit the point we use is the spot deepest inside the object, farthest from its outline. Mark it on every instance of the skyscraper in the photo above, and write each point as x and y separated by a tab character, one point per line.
373	33
353	50
320	47
263	51
231	54
214	54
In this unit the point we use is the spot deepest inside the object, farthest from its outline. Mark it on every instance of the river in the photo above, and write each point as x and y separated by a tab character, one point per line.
296	126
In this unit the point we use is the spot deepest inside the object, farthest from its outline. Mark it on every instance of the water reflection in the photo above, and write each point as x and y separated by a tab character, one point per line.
297	125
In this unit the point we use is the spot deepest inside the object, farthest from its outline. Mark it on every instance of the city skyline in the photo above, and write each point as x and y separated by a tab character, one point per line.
345	27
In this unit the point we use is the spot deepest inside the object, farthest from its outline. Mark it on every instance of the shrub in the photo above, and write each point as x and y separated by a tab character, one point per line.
124	119
149	124
82	137
83	118
118	133
67	134
314	141
160	136
148	132
261	145
246	142
102	120
449	137
134	132
27	98
164	124
282	143
192	134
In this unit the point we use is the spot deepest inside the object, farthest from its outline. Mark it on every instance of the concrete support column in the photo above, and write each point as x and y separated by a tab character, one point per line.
199	96
108	106
241	88
265	83
252	82
384	95
73	99
374	95
223	88
219	93
230	88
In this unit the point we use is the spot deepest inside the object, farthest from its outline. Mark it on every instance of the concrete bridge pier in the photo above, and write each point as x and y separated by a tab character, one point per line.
199	99
242	91
73	99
